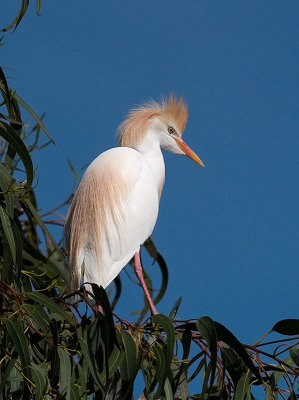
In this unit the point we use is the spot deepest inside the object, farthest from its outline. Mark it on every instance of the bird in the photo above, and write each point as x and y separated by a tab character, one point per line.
115	207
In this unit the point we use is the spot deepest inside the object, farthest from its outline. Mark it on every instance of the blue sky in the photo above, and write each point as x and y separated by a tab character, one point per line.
229	232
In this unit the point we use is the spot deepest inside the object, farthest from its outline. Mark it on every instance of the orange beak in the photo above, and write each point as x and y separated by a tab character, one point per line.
186	149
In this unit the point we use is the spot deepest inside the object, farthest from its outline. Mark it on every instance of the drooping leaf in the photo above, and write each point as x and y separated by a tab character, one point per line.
243	387
129	364
294	353
206	328
19	16
65	373
227	337
34	115
7	227
18	145
89	358
40	379
15	330
167	325
49	303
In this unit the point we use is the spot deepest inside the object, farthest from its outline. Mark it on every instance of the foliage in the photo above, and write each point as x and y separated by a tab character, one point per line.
57	346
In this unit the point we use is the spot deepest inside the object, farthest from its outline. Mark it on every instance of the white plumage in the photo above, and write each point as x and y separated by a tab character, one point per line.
115	207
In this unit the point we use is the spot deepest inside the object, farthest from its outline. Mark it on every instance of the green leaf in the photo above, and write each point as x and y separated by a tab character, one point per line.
294	353
15	330
160	369
175	308
89	357
39	316
243	387
168	390
287	327
29	207
7	227
65	373
277	375
7	182
151	249
233	363
167	325
227	337
38	6
33	114
206	328
7	370
40	380
19	16
130	362
164	271
199	367
18	145
47	302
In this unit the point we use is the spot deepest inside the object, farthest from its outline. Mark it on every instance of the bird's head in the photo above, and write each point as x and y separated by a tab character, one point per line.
161	123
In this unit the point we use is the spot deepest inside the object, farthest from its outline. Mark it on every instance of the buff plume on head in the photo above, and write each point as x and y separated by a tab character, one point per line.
133	128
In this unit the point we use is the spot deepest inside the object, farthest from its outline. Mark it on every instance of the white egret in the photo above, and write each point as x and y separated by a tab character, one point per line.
115	207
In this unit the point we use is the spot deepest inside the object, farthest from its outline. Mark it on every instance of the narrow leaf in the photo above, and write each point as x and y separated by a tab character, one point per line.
7	227
65	373
206	328
167	325
16	332
47	302
243	387
294	353
18	145
34	115
40	380
227	337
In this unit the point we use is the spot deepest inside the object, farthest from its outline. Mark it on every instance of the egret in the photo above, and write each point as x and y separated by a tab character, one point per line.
115	207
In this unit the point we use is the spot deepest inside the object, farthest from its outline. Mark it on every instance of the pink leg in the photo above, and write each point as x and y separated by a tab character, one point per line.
138	270
100	309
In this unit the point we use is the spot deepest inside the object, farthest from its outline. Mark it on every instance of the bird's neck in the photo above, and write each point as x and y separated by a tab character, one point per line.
152	154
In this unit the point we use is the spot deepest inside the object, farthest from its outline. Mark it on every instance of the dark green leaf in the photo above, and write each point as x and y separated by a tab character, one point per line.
89	358
227	337
40	379
197	370
129	364
243	387
7	227
18	18
18	145
9	366
167	325
175	308
164	283
34	115
287	327
39	316
294	353
65	373
206	328
160	370
47	302
233	363
15	330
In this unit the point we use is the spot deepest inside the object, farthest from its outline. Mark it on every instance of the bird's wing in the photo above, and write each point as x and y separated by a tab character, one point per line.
113	212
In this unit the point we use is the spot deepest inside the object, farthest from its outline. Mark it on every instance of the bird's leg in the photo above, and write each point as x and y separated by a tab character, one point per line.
99	309
138	270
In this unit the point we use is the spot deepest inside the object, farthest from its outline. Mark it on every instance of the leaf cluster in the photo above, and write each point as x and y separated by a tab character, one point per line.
55	345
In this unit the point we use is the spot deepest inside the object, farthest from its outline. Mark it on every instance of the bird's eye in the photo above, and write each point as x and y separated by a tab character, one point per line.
170	130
